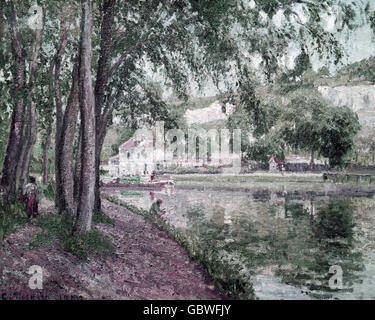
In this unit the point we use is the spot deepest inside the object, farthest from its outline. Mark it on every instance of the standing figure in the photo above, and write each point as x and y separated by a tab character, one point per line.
30	194
155	208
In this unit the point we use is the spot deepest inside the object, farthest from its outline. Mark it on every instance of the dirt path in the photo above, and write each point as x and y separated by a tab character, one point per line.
152	265
147	265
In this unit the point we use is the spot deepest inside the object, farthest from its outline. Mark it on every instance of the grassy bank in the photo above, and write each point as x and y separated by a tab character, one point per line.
226	276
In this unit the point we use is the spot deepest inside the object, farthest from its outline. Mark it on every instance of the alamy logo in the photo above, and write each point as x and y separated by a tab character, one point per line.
335	282
36	280
196	146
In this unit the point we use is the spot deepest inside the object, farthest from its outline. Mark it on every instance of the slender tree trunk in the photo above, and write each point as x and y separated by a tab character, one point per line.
77	168
46	147
25	138
87	107
65	160
14	146
102	76
29	145
58	103
31	133
98	151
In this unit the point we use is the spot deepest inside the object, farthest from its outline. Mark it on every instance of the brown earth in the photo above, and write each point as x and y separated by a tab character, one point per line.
147	264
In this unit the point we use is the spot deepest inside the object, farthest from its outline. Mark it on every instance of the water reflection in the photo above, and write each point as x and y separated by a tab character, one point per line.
319	242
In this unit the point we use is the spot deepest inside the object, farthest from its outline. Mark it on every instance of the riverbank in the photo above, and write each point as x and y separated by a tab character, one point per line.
146	264
227	272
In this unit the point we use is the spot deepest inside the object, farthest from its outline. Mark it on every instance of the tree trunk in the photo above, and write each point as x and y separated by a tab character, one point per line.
77	168
87	106
25	139
101	130
98	151
31	139
58	103
31	133
65	160
14	146
46	147
106	47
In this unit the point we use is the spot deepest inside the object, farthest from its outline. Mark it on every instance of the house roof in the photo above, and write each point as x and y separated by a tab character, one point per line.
277	160
131	143
128	144
117	157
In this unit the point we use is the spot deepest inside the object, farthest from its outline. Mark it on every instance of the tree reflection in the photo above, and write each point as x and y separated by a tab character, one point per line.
317	243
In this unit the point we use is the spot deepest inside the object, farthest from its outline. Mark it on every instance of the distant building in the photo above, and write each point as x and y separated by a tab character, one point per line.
139	157
136	157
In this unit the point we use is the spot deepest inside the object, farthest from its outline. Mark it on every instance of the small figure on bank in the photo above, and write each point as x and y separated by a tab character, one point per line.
30	195
155	207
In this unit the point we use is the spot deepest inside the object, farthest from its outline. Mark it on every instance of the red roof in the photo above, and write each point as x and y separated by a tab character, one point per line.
128	144
117	157
277	160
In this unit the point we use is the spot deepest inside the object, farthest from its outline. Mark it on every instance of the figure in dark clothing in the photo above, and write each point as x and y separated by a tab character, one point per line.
30	195
155	208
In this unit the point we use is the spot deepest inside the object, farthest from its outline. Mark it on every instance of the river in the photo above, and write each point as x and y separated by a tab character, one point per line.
294	241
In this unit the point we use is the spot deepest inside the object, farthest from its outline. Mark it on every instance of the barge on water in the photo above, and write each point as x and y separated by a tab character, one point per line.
157	182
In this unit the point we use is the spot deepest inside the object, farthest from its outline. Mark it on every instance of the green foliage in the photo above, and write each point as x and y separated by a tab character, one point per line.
100	217
58	228
300	123
363	70
252	115
125	134
309	124
337	130
54	227
263	149
11	217
91	243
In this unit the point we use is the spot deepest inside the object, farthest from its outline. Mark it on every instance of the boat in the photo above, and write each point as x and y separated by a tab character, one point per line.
162	181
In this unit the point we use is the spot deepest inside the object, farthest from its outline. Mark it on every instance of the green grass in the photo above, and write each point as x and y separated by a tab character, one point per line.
100	217
58	229
92	243
11	217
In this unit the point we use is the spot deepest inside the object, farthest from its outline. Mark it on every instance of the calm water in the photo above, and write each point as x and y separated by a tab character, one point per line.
287	241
